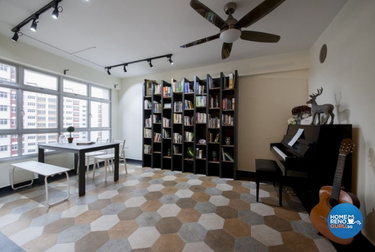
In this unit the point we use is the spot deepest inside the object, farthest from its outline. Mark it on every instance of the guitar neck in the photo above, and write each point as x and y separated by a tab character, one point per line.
336	187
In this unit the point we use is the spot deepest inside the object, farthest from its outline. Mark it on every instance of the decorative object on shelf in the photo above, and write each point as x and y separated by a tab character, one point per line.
70	129
202	141
214	155
227	140
292	121
169	152
326	109
301	112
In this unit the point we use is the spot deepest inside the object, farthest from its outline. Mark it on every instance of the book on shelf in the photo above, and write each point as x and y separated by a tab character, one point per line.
226	154
201	117
188	104
189	136
214	102
217	138
146	133
201	101
177	138
222	152
176	86
167	92
188	88
227	120
156	119
147	149
201	89
188	120
176	149
157	88
148	122
156	107
166	122
84	143
157	137
165	133
231	81
148	104
177	106
148	88
213	122
177	118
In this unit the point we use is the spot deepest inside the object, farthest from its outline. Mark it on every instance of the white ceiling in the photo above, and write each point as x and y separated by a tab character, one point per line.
100	33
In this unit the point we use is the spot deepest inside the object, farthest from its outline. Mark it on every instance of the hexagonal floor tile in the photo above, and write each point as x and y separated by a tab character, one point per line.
168	225
197	246
108	194
74	211
262	209
129	213
266	235
184	193
192	232
169	199
148	219
168	243
205	207
155	187
186	203
169	178
135	201
219	200
169	210
122	229
219	240
211	221
143	237
194	182
151	206
224	187
226	212
104	222
237	228
189	215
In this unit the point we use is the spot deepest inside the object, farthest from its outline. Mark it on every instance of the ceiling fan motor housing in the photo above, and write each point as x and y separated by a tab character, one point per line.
230	8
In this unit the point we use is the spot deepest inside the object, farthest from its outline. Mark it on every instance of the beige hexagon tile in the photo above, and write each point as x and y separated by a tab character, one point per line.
104	222
155	187
266	235
169	210
224	187
74	211
219	200
108	194
211	221
262	209
143	237
184	193
135	202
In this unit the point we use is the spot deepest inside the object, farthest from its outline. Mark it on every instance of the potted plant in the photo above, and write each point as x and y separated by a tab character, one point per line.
70	129
214	155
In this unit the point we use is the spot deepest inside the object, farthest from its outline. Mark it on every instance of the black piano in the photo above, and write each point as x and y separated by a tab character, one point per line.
310	162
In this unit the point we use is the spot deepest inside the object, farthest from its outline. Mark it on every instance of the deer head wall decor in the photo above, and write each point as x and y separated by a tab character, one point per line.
326	109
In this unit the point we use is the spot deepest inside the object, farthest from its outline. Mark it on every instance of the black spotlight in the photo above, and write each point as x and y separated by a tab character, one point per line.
15	36
125	68
108	72
34	25
170	60
149	62
56	10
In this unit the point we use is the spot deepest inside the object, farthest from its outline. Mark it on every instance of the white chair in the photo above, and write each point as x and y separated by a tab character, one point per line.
92	154
110	158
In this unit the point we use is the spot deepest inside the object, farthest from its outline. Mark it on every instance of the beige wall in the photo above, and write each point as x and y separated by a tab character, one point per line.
265	105
349	71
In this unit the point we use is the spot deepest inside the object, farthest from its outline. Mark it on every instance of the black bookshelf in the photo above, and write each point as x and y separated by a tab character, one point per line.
196	118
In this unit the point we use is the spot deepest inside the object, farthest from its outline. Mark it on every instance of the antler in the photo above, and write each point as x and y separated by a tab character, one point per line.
320	91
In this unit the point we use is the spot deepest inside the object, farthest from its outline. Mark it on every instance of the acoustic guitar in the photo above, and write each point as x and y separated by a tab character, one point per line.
330	196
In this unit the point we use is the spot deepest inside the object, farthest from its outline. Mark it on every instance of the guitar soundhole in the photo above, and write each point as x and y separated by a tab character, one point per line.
332	202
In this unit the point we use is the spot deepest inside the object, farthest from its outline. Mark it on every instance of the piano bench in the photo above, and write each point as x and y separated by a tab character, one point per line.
268	170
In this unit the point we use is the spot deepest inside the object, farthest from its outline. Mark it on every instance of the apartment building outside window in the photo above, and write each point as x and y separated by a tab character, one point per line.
33	101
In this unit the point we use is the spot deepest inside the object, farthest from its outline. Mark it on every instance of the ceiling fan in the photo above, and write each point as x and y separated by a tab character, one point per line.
231	29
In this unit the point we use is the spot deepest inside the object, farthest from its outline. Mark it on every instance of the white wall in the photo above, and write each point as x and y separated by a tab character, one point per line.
33	57
130	96
349	70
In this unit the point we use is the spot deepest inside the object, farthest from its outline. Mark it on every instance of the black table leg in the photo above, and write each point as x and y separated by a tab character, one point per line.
40	159
117	161
82	174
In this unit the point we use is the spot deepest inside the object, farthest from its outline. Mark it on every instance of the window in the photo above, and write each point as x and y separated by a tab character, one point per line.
103	135
100	93
41	94
99	114
74	87
40	80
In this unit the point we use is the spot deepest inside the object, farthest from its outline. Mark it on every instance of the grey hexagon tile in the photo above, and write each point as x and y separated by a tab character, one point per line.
46	219
134	177
156	181
184	193
251	217
197	246
74	211
143	237
205	207
243	244
262	193
249	198
324	245
135	201
192	232
266	235
119	245
25	208
262	209
130	183
305	217
219	181
305	228
88	199
113	208
139	192
213	191
249	185
7	219
74	233
107	194
169	199
169	210
211	221
183	185
148	219
219	200
26	235
194	182
63	247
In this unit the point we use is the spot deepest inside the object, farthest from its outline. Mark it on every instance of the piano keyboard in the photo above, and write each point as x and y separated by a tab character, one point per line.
282	154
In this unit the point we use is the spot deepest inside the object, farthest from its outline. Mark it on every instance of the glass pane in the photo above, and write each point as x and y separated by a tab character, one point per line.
8	109
103	135
100	93
7	73
74	87
8	146
40	110
40	80
30	142
99	114
78	136
74	113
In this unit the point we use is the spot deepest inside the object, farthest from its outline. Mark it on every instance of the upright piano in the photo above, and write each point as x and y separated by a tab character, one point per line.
310	162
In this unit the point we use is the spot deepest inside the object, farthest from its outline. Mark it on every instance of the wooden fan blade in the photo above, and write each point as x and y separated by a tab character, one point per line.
207	13
201	41
259	12
259	37
225	51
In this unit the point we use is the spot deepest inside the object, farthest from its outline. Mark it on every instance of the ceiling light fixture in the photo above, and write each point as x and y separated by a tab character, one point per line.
150	64
34	25
57	9
108	72
170	60
169	56
34	18
15	36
